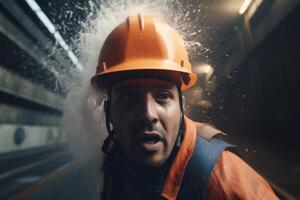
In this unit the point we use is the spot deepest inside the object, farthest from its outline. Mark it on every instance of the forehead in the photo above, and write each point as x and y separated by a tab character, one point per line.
144	84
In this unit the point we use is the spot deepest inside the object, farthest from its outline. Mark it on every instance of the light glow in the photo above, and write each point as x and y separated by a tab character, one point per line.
245	6
203	69
51	28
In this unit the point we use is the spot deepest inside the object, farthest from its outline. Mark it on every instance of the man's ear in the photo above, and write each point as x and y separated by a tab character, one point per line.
183	102
183	106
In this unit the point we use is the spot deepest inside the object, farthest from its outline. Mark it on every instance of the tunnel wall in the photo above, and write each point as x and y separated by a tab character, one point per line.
31	90
261	81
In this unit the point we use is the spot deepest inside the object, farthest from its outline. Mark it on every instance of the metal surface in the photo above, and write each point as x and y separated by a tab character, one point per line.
19	87
20	39
19	115
43	41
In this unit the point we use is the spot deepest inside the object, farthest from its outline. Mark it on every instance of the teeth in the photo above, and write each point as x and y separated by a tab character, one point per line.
152	141
149	140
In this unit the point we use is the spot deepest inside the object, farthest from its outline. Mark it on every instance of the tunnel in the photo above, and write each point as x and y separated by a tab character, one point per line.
246	54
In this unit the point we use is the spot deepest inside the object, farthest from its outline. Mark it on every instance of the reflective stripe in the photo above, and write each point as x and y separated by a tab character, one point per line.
197	173
177	172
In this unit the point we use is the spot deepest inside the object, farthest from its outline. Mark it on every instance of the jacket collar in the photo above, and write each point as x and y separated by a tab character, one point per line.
184	154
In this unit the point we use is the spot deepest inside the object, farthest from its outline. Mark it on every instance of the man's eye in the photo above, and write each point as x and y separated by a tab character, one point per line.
127	98
163	96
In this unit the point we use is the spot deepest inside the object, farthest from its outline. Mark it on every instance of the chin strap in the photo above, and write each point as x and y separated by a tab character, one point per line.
106	147
181	125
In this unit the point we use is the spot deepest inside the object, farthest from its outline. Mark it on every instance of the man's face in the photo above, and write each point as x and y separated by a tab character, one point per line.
146	116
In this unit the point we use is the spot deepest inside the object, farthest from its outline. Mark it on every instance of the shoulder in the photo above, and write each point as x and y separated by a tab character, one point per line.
207	131
232	178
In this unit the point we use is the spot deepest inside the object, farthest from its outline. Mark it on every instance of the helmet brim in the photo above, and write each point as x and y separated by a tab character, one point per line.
159	69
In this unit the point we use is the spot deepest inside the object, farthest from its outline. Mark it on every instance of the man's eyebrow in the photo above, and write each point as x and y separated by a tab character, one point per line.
157	86
125	87
165	86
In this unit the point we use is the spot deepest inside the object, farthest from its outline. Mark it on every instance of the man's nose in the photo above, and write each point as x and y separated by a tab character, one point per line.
148	110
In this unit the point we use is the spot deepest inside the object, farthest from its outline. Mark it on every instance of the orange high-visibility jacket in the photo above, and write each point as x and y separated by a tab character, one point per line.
230	178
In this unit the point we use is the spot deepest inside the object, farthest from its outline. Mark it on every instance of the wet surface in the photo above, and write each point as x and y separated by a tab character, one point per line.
17	174
80	182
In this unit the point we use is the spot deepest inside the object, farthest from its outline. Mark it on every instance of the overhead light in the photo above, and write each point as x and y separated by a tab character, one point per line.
203	69
245	6
51	28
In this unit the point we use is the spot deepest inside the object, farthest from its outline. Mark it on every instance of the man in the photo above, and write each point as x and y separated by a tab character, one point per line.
153	150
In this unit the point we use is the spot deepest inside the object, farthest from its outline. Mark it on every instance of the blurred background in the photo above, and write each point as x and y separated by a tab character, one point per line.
246	54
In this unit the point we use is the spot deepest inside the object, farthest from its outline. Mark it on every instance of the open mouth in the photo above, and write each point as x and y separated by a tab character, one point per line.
150	141
149	138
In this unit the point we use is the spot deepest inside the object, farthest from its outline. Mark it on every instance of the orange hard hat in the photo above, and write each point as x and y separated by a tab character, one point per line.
143	43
